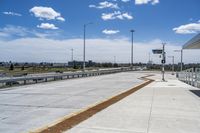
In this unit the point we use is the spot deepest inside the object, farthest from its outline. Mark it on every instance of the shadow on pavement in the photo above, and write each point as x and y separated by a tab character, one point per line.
196	92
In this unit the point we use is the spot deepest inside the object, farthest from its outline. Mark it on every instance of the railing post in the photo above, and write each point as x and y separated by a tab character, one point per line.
195	80
192	79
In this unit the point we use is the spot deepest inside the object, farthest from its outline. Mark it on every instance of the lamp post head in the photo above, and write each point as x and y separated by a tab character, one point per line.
88	24
132	31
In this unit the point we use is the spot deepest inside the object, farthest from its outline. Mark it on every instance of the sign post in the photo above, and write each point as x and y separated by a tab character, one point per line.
163	62
161	52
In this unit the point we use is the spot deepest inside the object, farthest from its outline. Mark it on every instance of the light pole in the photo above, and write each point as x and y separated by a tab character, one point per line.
114	59
84	37
172	64
132	48
72	50
181	51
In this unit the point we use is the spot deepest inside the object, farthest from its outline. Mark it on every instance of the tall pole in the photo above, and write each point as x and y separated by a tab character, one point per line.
132	48
72	54
84	28
163	62
181	59
173	65
181	51
84	40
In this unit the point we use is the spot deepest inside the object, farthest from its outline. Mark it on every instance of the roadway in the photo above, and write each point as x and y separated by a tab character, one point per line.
26	108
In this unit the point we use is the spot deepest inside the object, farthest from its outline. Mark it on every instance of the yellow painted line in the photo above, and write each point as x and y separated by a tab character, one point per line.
73	119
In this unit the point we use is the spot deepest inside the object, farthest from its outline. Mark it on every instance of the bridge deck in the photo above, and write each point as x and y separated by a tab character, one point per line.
26	108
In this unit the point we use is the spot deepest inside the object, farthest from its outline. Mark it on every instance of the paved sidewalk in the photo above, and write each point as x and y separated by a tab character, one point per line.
161	107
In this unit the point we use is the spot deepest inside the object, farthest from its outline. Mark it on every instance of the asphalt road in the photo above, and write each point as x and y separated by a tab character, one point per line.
27	108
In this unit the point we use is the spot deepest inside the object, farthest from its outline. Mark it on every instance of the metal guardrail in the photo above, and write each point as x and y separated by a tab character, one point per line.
190	76
30	79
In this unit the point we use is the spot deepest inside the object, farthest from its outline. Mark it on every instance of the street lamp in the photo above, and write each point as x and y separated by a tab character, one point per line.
132	47
181	51
172	64
114	59
84	34
72	56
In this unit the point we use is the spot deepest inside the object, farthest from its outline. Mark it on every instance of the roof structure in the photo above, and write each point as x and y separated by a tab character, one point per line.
194	43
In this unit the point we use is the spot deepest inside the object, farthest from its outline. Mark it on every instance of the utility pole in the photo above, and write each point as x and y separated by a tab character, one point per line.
163	61
132	48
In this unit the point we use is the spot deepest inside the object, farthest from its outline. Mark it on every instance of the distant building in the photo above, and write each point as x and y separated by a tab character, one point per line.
59	64
74	63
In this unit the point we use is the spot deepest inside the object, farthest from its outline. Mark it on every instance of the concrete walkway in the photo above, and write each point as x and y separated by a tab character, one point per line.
160	107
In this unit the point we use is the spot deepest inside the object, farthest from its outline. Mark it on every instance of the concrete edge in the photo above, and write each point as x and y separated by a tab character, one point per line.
67	122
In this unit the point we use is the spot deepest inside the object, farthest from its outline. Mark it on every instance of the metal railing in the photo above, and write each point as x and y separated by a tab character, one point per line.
38	78
190	76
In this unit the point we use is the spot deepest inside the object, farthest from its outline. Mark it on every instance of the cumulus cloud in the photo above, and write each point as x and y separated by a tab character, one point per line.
46	13
116	15
110	32
140	2
12	14
188	28
105	4
47	26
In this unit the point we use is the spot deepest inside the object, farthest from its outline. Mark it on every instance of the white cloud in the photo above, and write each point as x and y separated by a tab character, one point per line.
105	4
116	15
47	26
2	34
188	28
10	30
46	13
110	32
140	2
125	0
60	18
100	50
12	13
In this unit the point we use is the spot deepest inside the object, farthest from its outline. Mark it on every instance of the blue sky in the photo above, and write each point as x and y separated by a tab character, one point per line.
172	21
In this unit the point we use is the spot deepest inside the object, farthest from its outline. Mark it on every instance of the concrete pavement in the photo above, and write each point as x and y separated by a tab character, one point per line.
160	107
26	108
